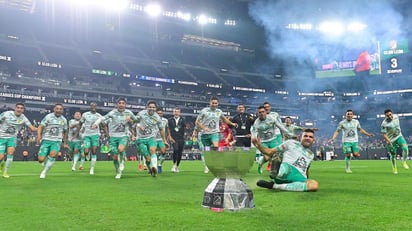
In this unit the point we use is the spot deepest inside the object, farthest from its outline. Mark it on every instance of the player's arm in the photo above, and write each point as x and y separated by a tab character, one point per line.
281	126
387	139
335	134
65	137
228	122
163	135
365	132
199	124
39	134
264	150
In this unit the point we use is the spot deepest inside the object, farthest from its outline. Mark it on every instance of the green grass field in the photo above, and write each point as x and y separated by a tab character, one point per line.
371	198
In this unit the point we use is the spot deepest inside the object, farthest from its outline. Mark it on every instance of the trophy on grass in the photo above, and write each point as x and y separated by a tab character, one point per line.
228	190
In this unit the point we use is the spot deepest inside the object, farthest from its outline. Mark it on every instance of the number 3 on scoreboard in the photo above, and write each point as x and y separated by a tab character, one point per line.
394	63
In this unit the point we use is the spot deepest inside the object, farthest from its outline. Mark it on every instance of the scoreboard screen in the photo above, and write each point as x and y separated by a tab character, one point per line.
393	55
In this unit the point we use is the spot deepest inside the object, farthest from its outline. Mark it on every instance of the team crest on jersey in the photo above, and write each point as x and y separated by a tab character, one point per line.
20	121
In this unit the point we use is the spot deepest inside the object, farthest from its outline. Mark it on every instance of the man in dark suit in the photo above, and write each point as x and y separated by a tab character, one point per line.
176	127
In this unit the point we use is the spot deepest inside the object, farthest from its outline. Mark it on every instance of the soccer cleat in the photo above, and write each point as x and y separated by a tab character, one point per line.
81	168
348	170
405	165
91	171
145	167
153	172
5	175
159	169
118	174
42	175
265	184
395	170
177	169
140	167
275	166
206	170
174	168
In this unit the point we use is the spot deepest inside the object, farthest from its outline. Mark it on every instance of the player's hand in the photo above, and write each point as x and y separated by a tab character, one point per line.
66	146
332	141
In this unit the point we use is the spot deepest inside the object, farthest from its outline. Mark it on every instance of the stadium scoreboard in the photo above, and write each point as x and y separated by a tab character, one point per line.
394	57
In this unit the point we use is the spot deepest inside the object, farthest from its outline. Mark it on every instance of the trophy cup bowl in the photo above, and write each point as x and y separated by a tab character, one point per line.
228	190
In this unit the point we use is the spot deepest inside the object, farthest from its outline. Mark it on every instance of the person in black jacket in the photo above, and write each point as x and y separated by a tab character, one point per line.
176	127
244	121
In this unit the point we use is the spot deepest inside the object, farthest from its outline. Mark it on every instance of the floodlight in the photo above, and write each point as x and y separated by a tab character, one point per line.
184	16
332	28
153	10
202	19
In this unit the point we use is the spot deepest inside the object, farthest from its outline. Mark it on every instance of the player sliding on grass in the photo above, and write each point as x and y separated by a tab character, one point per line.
349	127
290	164
392	134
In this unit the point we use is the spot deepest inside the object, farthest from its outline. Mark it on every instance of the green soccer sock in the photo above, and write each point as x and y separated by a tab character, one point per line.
393	160
347	162
116	164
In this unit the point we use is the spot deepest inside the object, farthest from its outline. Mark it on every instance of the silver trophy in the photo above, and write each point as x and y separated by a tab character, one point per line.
228	190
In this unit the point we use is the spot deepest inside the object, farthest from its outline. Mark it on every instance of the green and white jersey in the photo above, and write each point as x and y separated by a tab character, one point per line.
293	129
164	122
53	127
349	130
293	153
117	122
74	132
87	120
210	118
10	124
150	123
277	117
264	129
392	129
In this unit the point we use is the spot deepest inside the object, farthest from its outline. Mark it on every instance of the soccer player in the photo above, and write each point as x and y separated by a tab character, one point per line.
10	123
118	123
74	140
148	124
208	122
226	135
90	135
294	128
293	159
264	128
51	132
392	134
349	127
176	130
160	144
278	135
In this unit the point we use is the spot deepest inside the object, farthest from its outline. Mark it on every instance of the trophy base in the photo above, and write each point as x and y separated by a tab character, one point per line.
228	193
